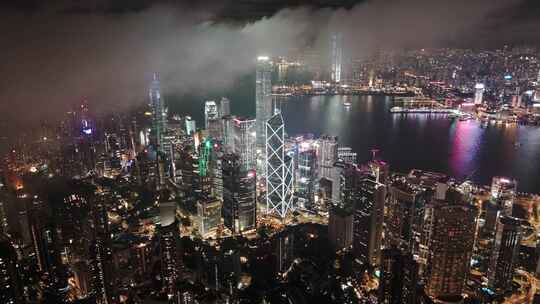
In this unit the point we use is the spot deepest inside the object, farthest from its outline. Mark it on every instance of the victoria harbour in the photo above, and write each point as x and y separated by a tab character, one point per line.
270	152
462	149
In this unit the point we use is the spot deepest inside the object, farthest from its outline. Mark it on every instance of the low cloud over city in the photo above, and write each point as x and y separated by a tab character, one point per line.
56	54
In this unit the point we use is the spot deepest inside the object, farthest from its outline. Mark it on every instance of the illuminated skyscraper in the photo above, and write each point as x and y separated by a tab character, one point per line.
505	253
340	227
227	127
306	177
170	248
245	142
45	239
337	57
399	276
190	125
479	93
210	112
224	107
159	125
159	115
502	198
503	193
239	196
208	214
327	155
212	121
451	229
368	219
263	107
279	168
405	203
101	265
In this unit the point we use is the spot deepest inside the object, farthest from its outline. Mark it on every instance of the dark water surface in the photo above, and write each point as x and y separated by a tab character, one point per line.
462	149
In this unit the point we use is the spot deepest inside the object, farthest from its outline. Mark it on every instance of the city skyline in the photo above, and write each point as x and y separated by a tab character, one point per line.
270	152
172	30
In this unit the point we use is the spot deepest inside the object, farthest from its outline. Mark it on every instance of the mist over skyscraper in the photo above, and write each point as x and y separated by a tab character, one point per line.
331	151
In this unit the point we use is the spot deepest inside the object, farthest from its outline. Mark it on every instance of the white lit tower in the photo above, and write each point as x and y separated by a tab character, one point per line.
279	168
212	123
336	57
327	155
225	107
263	107
479	93
159	115
244	142
210	112
159	123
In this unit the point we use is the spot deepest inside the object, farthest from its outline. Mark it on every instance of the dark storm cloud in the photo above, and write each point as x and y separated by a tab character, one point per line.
57	54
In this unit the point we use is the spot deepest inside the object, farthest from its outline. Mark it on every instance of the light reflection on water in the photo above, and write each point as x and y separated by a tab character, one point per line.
429	142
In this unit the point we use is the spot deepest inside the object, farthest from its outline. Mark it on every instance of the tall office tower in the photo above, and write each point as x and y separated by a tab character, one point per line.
279	168
10	283
339	187
217	174
208	214
101	267
479	93
337	57
397	283
501	202
191	126
212	121
45	240
245	142
227	126
263	108
306	178
159	114
368	220
452	230
170	251
189	178
206	150
224	107
347	155
405	205
284	250
340	227
503	193
210	112
239	196
505	253
159	125
327	155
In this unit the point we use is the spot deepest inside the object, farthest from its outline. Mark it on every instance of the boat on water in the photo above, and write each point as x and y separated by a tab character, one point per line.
421	110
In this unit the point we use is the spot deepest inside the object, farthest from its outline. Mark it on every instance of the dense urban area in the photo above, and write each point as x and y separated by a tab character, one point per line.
151	206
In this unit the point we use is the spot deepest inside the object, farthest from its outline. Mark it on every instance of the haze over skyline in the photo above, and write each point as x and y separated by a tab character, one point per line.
57	54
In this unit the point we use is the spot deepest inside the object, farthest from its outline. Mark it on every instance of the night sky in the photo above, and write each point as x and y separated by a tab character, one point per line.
56	53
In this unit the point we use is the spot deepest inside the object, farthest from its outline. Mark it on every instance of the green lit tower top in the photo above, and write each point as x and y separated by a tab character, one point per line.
204	158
